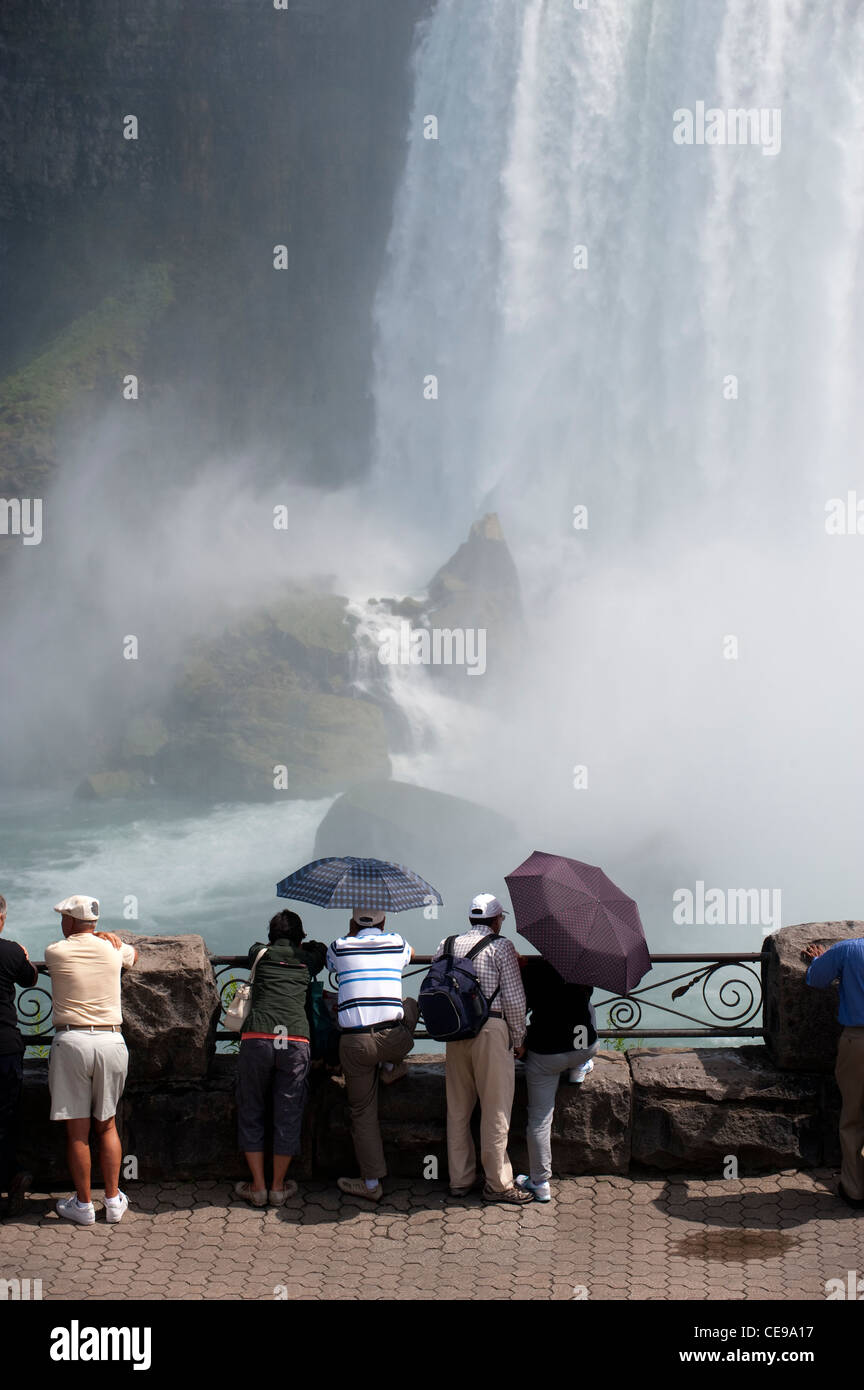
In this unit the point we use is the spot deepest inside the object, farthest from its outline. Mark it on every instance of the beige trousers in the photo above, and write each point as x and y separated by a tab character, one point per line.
850	1078
480	1068
360	1055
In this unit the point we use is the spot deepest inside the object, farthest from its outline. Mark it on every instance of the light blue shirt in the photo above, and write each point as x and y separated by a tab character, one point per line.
845	961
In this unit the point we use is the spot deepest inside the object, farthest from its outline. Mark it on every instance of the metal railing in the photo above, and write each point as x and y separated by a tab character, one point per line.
728	989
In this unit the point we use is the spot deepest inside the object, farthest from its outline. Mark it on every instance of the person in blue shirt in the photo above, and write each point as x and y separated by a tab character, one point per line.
845	961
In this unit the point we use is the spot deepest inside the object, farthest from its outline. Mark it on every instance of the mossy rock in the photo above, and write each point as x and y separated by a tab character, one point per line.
324	742
317	621
144	736
120	782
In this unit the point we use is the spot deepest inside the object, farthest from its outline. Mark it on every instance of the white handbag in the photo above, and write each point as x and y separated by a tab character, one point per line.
238	1010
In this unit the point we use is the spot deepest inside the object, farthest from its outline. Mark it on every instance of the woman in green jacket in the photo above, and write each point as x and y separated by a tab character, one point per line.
273	1062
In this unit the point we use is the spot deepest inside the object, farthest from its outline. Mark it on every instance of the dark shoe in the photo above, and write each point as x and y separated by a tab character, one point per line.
511	1196
477	1185
856	1202
18	1189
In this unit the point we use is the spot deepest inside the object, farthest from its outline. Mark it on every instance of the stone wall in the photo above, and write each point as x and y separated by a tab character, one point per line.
667	1109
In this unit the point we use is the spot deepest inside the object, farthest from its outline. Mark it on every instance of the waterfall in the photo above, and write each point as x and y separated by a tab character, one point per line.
608	385
667	332
431	733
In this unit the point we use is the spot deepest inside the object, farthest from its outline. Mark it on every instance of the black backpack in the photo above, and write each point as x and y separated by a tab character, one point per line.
452	1004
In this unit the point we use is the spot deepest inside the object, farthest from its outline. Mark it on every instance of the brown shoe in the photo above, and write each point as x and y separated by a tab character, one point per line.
356	1187
512	1196
388	1077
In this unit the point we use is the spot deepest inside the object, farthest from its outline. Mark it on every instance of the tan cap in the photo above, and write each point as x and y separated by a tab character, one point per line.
82	909
365	918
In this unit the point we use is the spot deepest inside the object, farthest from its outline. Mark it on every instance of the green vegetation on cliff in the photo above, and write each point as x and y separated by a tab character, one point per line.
98	348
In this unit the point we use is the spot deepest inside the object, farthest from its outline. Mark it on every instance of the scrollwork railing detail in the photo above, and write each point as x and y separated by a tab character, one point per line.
730	1003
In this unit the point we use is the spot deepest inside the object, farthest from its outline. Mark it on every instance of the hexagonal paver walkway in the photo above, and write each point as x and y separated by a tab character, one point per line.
777	1237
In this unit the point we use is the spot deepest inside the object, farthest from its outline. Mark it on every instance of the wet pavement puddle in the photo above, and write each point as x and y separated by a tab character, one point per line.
735	1246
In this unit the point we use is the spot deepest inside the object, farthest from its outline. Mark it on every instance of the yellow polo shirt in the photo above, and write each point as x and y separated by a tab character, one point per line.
85	979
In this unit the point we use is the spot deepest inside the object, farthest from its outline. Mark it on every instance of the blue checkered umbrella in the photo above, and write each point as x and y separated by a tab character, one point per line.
375	884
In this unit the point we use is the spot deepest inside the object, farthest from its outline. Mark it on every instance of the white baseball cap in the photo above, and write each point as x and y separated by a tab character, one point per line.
81	908
484	907
364	918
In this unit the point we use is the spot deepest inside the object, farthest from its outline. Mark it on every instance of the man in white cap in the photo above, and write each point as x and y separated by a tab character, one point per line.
482	1066
377	1033
89	1060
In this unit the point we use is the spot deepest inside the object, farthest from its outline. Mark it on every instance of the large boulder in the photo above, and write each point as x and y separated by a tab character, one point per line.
799	1022
170	1008
694	1108
461	848
401	821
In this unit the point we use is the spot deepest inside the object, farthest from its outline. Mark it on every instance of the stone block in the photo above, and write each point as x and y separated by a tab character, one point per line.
170	1008
694	1107
800	1022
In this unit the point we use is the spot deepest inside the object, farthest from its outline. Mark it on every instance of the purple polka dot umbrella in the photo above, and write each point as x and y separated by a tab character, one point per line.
584	925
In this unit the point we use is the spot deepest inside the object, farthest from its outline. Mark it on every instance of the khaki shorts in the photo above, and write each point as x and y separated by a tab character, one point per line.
86	1074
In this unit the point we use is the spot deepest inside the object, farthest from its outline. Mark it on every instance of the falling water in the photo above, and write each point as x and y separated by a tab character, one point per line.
606	385
669	335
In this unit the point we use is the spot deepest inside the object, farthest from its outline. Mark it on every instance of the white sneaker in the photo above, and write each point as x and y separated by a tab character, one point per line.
542	1191
70	1208
578	1074
116	1207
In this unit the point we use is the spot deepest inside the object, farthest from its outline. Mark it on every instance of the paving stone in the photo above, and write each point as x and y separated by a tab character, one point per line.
619	1238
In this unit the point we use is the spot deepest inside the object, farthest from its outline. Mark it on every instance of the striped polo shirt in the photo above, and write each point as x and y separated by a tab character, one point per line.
368	969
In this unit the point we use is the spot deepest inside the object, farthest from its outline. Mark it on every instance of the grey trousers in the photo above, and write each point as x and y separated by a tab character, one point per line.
359	1054
542	1073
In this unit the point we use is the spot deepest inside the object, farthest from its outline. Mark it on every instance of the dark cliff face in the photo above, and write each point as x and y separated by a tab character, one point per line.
256	127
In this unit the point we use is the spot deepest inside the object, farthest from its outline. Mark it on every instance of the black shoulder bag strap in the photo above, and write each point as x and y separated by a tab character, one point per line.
488	940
